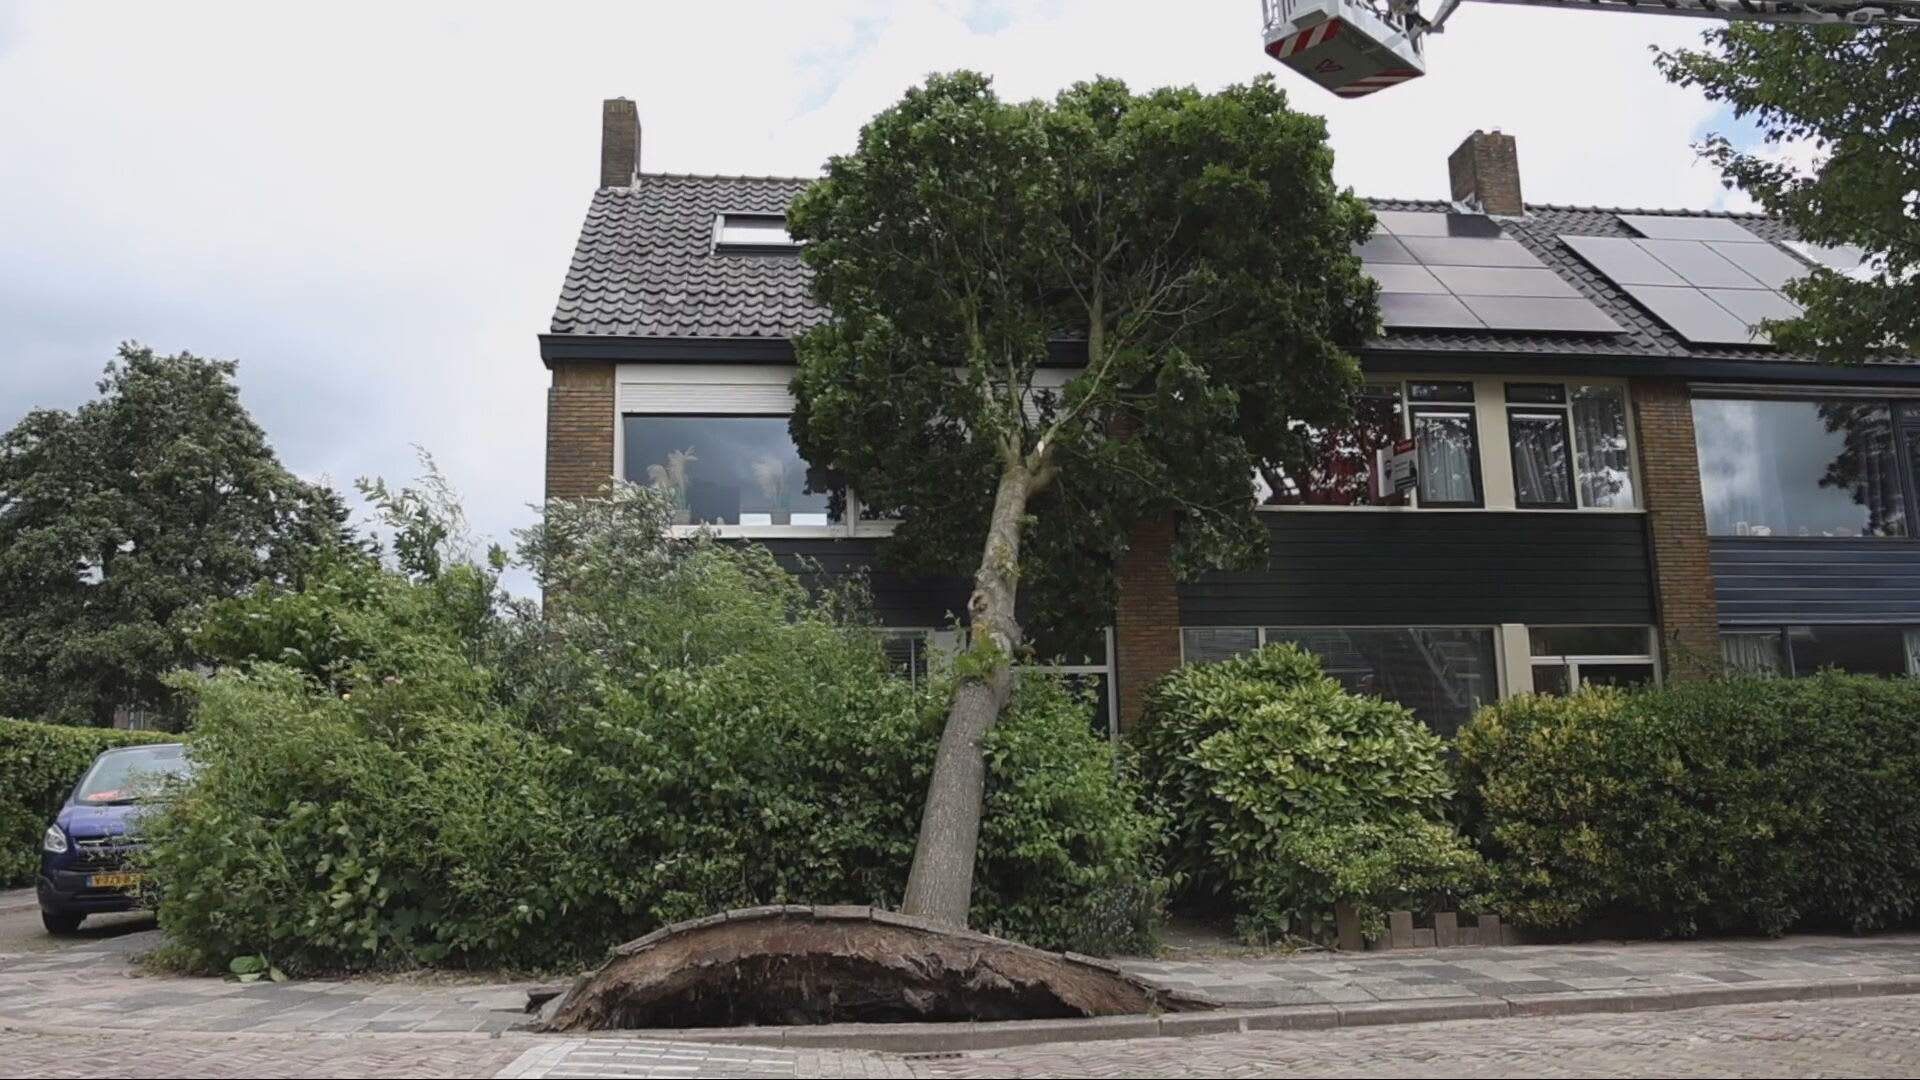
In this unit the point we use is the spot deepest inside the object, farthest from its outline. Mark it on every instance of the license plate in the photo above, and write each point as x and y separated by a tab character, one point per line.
112	881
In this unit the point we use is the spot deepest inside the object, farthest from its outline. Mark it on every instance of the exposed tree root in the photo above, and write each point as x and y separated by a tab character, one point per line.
798	965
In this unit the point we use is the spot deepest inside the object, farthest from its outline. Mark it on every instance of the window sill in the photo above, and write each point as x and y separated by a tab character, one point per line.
788	532
1322	508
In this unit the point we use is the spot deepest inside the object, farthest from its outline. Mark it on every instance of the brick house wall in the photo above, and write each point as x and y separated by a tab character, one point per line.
1677	528
1146	618
579	430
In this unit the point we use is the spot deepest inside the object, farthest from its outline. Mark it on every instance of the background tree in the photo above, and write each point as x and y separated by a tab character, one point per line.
1844	105
1051	321
119	518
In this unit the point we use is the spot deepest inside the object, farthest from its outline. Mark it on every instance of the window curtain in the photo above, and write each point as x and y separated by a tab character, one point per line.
1600	432
1753	654
1540	459
1446	458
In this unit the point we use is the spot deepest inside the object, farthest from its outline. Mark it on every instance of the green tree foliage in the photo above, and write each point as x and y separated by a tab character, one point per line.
39	764
1848	99
118	519
1287	795
402	767
1181	261
1731	805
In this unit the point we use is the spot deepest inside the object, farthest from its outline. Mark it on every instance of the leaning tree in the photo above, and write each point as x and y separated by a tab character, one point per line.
1052	321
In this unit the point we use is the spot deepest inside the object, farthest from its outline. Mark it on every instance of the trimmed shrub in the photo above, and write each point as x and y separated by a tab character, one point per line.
1738	804
39	764
682	730
1287	794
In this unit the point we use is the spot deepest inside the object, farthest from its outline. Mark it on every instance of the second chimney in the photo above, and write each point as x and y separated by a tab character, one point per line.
1485	171
619	142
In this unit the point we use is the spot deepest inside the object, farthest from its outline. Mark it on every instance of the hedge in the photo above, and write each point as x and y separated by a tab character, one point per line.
1731	805
39	764
1287	795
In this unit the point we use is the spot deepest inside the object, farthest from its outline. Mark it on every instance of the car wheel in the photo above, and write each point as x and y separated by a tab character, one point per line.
60	922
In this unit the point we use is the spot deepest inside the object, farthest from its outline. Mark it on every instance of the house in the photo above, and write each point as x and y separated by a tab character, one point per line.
1618	480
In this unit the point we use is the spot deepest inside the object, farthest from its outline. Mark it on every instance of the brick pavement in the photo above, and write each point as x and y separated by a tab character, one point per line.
1330	978
1870	1037
154	1054
83	1011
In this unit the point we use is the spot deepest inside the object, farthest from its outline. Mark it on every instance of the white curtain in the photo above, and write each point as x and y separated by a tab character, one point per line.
1754	654
1600	432
1445	457
1540	458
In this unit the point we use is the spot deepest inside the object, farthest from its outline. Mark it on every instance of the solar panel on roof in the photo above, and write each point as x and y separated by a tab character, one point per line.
1575	315
1434	269
1695	261
1468	251
1416	223
1679	227
1384	249
1753	305
1405	279
1767	264
1425	311
1622	260
1693	314
1710	291
1503	281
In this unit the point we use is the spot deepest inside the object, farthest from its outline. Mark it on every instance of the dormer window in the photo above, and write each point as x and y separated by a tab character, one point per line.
752	233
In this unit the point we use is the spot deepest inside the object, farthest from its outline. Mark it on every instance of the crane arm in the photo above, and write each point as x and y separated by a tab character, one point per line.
1848	12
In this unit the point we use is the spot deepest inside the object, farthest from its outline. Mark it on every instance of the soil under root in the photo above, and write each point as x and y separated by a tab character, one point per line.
797	965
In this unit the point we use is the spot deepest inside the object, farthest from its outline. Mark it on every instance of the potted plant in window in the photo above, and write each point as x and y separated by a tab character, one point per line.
671	478
776	484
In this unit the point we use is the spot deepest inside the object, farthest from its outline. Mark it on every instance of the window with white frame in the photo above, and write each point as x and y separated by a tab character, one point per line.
726	470
1446	435
1566	658
743	232
1443	674
1568	445
1085	664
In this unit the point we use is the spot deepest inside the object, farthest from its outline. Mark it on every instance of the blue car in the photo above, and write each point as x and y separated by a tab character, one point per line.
85	866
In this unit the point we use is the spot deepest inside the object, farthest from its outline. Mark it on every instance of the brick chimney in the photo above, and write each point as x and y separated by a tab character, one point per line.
619	142
1485	171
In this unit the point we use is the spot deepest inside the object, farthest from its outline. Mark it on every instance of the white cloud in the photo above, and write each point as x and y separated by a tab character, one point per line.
372	205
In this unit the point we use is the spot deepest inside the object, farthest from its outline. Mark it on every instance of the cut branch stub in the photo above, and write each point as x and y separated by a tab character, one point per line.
798	965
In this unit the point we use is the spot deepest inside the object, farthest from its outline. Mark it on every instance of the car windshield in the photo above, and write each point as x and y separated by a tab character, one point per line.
132	774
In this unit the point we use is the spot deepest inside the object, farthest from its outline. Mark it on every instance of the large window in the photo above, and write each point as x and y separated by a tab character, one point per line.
1442	674
1568	444
1825	467
1803	650
1447	444
1566	658
726	470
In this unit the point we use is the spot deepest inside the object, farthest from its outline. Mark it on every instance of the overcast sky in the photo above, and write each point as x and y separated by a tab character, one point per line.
371	205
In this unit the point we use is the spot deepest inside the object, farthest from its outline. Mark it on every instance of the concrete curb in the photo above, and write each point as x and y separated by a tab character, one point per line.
956	1037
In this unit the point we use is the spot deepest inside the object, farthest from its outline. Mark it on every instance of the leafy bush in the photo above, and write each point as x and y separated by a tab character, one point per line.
404	768
1287	794
39	764
1737	804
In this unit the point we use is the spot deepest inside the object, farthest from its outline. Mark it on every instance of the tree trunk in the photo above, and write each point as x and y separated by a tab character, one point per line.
940	885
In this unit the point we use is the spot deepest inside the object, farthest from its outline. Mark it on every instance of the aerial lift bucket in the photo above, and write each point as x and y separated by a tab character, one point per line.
1344	45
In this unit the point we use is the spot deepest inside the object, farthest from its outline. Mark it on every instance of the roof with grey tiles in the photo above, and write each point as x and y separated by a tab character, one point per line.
646	267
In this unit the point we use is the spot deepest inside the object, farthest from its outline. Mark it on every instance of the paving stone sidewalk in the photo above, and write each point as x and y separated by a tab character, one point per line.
93	988
1329	978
